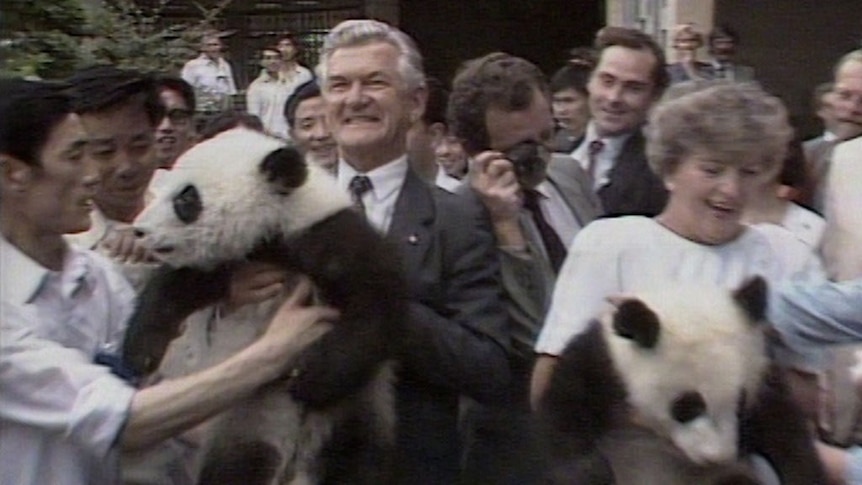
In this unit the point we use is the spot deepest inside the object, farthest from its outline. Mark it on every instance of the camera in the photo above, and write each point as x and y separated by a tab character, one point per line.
530	160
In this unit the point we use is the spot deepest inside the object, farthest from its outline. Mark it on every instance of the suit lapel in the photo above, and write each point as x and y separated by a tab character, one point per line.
575	187
412	221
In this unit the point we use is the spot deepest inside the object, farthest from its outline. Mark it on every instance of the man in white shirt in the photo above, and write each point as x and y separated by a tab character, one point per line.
67	408
266	95
210	75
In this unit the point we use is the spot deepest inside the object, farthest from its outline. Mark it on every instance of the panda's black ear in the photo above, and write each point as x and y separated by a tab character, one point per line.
285	168
752	296
634	320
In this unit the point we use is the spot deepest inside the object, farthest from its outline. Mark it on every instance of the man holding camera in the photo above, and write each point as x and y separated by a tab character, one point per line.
500	109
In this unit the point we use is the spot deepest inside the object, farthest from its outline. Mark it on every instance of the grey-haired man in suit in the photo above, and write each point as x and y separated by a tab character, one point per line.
374	89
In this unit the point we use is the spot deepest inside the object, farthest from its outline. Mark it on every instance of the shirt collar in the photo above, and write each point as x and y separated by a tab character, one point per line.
829	136
385	179
613	144
23	278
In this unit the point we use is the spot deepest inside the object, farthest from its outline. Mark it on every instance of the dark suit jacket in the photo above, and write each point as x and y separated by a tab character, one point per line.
633	188
458	340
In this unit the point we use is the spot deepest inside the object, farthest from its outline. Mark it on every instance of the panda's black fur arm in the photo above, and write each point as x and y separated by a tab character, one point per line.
169	297
777	429
358	273
584	400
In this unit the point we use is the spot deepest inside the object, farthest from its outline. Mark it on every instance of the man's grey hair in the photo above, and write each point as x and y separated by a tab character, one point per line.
354	33
852	56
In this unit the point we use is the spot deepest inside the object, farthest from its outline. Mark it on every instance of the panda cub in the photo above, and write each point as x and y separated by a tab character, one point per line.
674	387
242	196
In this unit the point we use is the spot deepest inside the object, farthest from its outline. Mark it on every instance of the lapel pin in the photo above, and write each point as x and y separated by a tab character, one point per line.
413	239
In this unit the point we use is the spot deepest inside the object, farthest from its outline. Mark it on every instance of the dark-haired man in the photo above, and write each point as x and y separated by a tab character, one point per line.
176	131
629	77
723	41
66	410
120	110
499	103
305	113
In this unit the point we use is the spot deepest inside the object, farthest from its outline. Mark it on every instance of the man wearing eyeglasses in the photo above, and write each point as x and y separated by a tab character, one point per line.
176	131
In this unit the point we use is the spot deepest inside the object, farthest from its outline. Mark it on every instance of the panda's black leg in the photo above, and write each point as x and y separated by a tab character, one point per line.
778	430
245	463
339	363
165	302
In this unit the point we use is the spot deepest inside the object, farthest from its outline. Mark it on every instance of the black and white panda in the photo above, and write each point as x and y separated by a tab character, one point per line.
243	196
674	387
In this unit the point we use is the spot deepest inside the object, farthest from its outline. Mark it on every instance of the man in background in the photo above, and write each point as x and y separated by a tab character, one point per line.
210	75
305	113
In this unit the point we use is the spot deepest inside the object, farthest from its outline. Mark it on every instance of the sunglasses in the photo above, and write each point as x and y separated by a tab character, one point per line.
178	115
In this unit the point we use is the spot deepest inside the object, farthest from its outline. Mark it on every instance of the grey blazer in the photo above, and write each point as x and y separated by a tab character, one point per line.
528	279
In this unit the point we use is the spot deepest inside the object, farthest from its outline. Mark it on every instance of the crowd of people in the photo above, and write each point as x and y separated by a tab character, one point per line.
518	203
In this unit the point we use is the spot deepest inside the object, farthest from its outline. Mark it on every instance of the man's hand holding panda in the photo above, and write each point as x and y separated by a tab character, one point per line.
254	282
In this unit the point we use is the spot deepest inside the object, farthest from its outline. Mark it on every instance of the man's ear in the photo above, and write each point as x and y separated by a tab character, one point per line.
418	97
16	175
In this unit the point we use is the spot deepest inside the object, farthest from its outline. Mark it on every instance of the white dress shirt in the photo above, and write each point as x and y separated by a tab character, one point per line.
386	182
267	95
448	182
605	159
208	75
557	213
60	413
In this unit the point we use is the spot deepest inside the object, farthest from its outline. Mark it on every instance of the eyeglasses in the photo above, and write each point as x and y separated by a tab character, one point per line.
178	115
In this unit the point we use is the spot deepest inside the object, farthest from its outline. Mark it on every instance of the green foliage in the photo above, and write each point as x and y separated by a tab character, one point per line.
51	38
38	37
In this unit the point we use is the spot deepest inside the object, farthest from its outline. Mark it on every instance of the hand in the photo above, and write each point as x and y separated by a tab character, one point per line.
296	317
492	176
122	246
254	282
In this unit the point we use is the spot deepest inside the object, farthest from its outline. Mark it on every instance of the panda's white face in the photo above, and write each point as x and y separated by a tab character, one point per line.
702	360
217	203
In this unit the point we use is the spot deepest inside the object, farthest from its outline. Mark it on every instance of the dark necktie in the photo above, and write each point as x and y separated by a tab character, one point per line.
595	147
359	185
553	245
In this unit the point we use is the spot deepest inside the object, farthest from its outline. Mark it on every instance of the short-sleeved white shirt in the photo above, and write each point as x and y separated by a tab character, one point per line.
634	253
60	413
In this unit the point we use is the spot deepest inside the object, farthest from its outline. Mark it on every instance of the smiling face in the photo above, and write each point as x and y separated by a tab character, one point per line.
122	141
57	195
621	89
369	105
450	156
311	133
708	196
176	132
847	99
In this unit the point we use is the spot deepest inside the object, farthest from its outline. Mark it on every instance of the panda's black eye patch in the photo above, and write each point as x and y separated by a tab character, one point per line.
687	407
187	204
